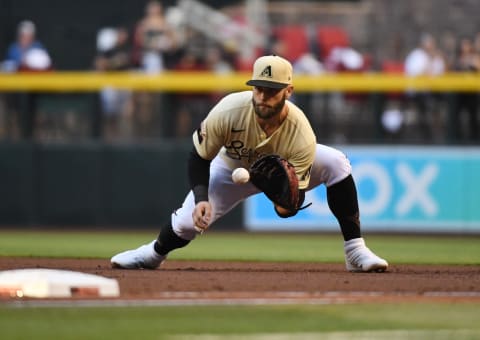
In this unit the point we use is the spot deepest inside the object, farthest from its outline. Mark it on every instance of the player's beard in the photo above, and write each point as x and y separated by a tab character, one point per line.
264	111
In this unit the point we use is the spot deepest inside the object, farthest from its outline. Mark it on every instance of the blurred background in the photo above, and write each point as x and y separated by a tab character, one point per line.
95	128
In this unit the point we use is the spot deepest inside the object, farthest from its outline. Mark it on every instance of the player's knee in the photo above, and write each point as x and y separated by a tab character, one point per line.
185	232
337	166
183	227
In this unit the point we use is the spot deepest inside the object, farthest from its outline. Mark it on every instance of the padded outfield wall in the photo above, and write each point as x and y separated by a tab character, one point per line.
93	184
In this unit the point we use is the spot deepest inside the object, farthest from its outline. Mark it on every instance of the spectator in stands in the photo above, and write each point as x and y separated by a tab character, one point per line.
308	64
345	59
114	54
467	60
425	60
113	50
476	42
448	45
153	39
27	53
191	107
218	61
351	105
154	44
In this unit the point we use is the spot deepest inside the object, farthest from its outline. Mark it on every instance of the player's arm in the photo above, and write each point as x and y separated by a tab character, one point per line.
198	175
207	141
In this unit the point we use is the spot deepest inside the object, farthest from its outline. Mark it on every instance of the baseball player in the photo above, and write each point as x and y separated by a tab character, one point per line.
241	128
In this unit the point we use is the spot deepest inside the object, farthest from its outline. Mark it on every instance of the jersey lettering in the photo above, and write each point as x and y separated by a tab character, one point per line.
237	150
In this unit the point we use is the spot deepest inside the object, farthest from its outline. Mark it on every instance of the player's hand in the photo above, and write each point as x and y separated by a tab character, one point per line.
202	215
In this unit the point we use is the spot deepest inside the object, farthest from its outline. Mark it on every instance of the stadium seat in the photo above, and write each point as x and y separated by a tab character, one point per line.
329	37
393	66
295	40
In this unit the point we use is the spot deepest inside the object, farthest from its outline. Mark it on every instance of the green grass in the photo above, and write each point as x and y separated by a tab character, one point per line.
214	245
460	320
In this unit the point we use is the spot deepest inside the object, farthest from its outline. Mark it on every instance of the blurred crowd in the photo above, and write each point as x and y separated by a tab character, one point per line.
156	44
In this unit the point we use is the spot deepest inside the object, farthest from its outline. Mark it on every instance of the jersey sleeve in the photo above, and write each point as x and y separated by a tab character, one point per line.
209	138
302	160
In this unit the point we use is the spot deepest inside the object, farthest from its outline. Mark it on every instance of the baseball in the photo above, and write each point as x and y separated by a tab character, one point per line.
240	176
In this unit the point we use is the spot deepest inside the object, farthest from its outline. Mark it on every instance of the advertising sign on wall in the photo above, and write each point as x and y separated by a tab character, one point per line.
399	189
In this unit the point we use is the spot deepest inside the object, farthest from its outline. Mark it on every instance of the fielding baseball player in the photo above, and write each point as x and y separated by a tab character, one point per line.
238	132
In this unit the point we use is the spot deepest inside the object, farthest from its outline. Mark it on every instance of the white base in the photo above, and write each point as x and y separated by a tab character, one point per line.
45	283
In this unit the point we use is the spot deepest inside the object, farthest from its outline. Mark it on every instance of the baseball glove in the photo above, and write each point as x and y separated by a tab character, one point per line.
276	177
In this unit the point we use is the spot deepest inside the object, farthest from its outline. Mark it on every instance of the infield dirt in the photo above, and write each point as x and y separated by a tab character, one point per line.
302	282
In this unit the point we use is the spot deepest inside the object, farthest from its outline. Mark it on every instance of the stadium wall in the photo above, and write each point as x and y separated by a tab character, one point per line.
94	184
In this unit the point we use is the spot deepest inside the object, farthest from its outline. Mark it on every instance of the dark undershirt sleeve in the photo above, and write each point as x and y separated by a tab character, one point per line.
198	175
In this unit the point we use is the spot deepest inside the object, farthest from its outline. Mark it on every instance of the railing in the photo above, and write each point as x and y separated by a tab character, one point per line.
207	82
356	121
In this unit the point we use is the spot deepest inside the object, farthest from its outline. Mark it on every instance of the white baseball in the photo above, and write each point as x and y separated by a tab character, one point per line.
240	176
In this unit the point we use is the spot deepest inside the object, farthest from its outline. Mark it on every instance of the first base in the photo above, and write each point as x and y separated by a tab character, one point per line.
52	283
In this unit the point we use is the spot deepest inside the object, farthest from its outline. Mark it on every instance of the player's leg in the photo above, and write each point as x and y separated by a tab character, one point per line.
151	255
180	230
332	168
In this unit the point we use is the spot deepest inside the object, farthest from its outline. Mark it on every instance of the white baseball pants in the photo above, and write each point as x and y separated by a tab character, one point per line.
329	167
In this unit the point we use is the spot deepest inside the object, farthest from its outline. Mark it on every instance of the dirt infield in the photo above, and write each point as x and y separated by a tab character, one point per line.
302	282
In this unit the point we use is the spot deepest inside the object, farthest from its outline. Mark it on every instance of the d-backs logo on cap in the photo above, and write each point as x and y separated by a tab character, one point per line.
267	72
271	71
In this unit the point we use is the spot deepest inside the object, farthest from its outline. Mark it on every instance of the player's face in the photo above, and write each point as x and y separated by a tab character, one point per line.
268	102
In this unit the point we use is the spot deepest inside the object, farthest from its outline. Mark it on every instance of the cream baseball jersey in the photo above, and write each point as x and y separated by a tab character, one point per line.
231	130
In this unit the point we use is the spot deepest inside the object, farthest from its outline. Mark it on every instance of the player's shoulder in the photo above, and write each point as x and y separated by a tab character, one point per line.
235	100
296	114
299	121
232	106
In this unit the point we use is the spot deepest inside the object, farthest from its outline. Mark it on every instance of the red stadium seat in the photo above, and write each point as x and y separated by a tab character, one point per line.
244	65
329	37
393	66
295	40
